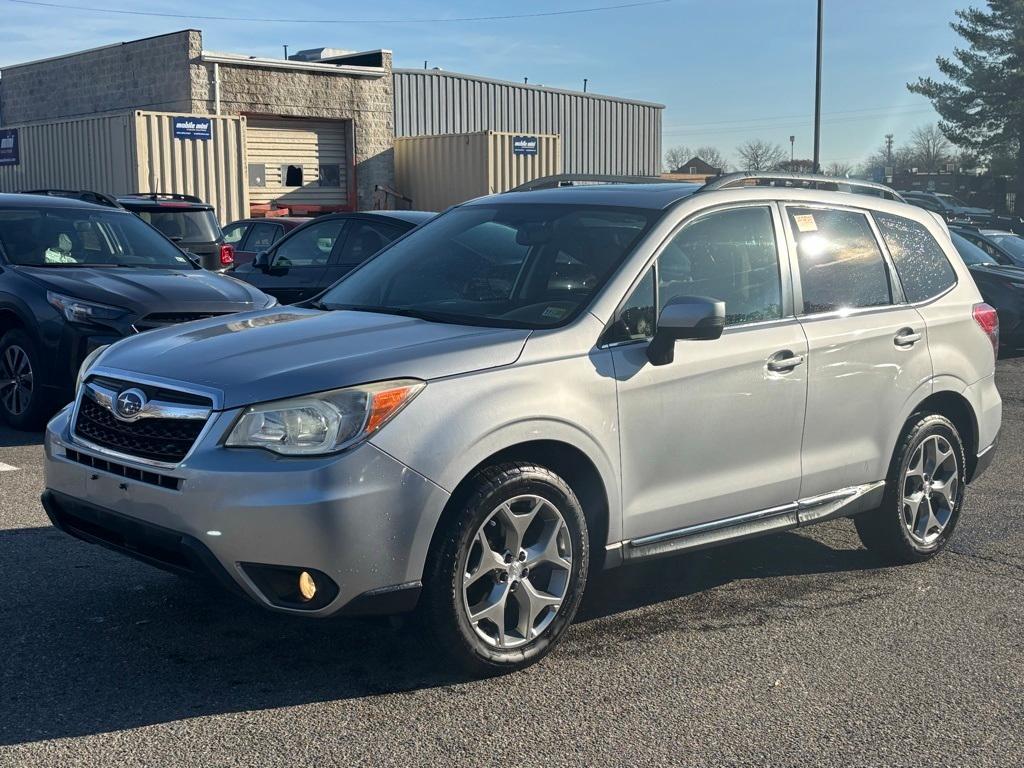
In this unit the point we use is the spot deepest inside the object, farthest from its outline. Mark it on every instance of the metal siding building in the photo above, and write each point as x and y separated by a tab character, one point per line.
600	134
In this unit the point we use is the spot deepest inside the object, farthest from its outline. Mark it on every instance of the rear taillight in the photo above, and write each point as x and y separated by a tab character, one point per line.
988	320
227	255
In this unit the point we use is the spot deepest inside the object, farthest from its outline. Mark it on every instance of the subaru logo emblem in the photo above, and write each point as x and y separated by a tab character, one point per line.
129	404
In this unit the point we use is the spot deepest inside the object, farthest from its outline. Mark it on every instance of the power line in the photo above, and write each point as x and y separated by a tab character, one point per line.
503	17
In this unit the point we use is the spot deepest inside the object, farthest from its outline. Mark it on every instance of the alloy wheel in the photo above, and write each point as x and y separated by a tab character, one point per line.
16	380
516	572
931	488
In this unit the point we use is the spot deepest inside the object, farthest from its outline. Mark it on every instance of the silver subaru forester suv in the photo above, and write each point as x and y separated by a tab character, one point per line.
537	385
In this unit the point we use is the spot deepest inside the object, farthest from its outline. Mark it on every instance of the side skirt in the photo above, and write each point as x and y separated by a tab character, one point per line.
815	509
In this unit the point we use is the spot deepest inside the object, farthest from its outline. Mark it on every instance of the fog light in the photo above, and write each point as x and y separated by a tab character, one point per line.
307	587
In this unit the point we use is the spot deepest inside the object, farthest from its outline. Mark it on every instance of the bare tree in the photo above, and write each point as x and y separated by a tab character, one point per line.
930	148
676	156
839	169
758	155
713	157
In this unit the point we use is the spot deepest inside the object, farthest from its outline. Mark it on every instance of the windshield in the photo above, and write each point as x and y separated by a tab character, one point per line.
1011	243
513	265
969	252
195	226
73	237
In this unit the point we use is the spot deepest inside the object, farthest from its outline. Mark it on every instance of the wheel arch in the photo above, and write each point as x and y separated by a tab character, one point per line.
957	408
10	319
564	459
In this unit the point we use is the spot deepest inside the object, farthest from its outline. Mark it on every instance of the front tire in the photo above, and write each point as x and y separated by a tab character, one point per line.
507	577
923	495
23	401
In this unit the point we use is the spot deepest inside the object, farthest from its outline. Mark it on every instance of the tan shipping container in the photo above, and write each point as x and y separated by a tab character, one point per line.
134	152
442	170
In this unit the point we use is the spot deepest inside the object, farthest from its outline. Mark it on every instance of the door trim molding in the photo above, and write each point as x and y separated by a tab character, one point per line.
813	509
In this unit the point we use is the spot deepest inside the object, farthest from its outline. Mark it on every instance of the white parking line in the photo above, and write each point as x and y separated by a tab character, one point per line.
7	468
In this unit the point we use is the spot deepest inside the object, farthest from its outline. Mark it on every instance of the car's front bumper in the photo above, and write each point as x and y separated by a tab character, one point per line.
361	518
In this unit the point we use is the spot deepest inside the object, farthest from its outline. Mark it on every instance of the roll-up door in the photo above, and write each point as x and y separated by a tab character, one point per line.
298	162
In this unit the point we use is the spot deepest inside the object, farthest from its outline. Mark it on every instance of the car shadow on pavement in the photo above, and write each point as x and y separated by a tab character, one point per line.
10	438
93	642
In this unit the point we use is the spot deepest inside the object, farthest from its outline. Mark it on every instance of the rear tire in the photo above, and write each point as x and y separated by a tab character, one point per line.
24	404
923	495
506	580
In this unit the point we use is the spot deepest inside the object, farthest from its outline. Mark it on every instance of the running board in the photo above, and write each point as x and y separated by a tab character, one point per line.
815	509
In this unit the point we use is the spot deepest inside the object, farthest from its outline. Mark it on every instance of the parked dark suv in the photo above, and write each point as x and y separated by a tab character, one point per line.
74	277
186	220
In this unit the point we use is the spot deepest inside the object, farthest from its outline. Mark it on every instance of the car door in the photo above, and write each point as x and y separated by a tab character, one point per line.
715	433
363	238
867	348
299	260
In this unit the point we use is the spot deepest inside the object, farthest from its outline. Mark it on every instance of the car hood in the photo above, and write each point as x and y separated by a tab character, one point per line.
967	211
150	290
284	352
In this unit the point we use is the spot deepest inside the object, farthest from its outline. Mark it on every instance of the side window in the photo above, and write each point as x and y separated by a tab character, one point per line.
920	262
364	239
636	318
262	236
841	265
234	233
310	246
730	255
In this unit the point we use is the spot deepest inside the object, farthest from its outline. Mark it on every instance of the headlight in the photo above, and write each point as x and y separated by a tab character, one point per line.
78	311
89	362
322	423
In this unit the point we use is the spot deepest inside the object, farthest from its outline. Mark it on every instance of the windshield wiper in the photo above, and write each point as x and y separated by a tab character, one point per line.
434	317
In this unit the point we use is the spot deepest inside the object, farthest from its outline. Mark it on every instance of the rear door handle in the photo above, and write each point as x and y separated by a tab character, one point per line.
784	361
907	337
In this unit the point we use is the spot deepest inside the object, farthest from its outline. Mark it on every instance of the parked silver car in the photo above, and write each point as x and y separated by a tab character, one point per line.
537	385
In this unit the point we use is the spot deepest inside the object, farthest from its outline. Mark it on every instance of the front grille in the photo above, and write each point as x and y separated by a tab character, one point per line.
152	392
165	440
163	319
131	473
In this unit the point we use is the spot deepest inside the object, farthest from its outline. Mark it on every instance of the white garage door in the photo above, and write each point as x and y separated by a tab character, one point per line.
297	162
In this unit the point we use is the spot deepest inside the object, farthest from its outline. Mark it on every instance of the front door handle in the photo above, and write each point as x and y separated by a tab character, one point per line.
784	361
907	337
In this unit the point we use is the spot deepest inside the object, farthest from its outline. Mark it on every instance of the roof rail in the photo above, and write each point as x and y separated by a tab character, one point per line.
801	181
583	179
85	195
156	196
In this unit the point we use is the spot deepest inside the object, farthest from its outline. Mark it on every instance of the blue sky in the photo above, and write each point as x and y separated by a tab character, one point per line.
727	70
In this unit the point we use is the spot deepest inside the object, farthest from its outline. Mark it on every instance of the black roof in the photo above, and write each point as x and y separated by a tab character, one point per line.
19	200
655	196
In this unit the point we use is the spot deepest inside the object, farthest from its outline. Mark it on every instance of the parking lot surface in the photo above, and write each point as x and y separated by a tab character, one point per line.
797	649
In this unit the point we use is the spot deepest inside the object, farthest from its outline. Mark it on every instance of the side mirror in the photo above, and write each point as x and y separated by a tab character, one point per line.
685	317
262	261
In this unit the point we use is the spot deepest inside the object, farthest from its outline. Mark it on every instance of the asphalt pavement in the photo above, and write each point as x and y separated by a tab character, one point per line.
796	649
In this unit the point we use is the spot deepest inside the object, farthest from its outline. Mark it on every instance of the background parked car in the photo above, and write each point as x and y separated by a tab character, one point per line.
313	256
186	220
1001	283
996	242
953	209
251	236
74	277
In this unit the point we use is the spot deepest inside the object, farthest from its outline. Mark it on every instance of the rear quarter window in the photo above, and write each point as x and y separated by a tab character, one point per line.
920	262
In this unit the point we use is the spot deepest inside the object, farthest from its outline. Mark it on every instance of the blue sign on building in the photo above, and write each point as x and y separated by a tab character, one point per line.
193	128
9	146
525	145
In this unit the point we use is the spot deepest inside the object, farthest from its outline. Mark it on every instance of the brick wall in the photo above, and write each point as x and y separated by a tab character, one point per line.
295	93
143	74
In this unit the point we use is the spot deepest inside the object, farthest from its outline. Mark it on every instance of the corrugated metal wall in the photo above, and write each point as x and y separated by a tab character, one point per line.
311	144
213	169
90	153
439	171
600	134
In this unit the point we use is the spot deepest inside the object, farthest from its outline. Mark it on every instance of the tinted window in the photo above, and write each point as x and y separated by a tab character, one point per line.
841	265
309	246
729	255
920	262
969	252
184	226
262	236
83	237
364	239
1011	243
233	233
514	265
